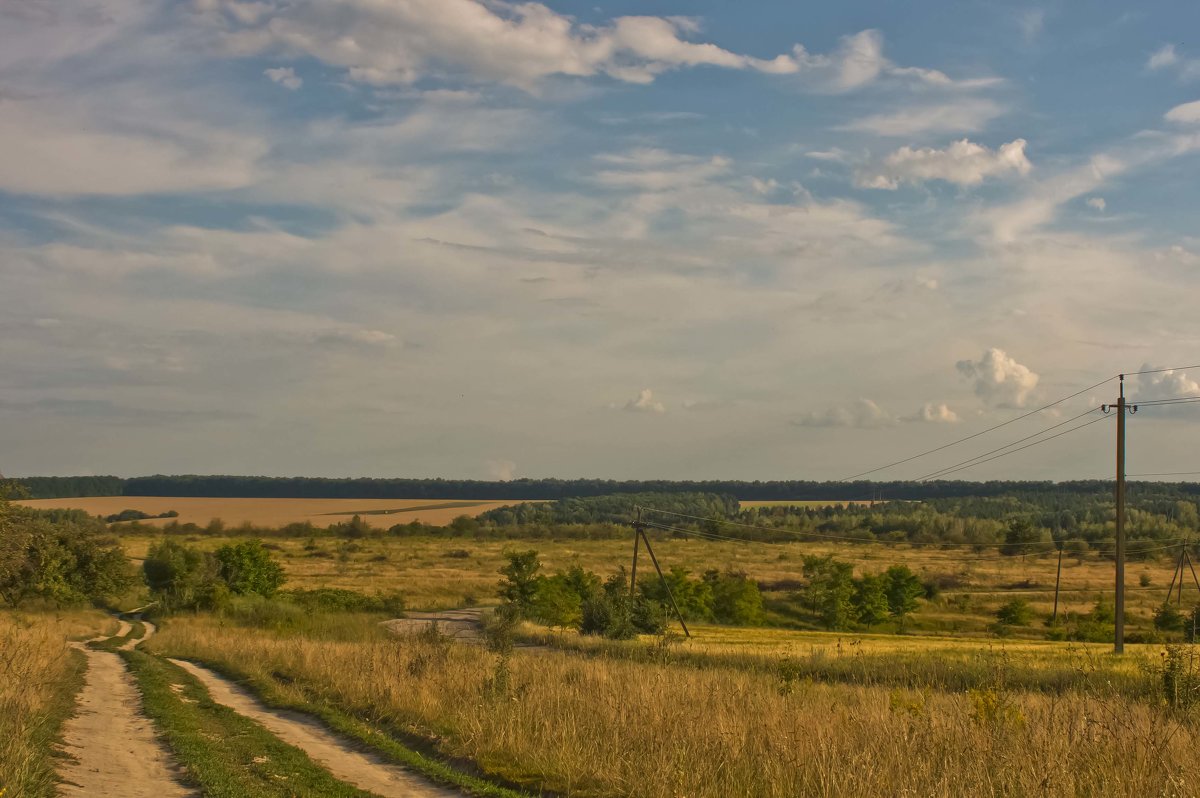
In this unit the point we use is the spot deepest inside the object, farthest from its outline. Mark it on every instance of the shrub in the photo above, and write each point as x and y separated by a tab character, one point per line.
247	567
1016	612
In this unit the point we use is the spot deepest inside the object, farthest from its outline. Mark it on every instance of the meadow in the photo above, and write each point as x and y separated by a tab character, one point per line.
661	724
448	571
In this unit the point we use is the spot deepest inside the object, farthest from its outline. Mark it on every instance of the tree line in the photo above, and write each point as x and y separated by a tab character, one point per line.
229	486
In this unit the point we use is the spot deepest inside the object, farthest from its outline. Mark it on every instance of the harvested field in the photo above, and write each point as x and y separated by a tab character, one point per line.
381	513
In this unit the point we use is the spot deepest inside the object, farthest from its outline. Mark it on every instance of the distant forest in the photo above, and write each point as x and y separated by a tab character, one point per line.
366	488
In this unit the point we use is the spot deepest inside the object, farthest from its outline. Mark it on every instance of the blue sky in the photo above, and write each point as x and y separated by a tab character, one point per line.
668	239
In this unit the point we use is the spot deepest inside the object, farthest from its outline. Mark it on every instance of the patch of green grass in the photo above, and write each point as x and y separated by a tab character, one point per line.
137	630
225	754
392	744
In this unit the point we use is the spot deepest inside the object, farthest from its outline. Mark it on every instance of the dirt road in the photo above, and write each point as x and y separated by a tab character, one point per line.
111	746
338	756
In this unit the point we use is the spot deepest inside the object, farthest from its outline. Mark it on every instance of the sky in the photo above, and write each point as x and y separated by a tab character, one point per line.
685	239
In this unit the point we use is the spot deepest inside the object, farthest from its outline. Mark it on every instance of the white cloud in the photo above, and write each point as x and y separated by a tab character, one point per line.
523	43
963	163
962	116
936	413
502	470
284	76
1167	384
358	335
1164	56
60	147
1168	58
1187	113
860	414
999	379
644	402
657	170
1097	203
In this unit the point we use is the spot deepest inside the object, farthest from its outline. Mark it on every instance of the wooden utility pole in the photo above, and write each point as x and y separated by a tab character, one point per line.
1119	626
1057	581
637	534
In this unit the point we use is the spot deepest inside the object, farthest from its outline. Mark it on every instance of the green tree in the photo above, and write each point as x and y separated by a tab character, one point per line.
61	556
556	603
871	600
247	568
903	588
830	590
694	597
736	598
182	577
518	590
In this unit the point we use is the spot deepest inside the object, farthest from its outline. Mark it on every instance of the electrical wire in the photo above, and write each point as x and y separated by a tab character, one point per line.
1165	474
966	463
977	434
1160	371
946	472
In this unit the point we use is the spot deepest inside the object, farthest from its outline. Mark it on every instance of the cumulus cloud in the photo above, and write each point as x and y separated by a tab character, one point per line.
999	379
1098	203
1187	113
1165	384
961	116
860	414
284	76
936	413
963	163
644	402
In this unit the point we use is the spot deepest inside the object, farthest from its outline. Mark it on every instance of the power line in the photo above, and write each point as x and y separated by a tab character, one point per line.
951	470
1159	371
1165	474
1006	446
977	434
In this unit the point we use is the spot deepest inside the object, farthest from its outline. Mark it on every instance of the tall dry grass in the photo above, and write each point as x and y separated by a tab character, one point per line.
38	677
609	727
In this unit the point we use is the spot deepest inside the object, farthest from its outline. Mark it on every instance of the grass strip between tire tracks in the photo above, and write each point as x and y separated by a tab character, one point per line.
225	754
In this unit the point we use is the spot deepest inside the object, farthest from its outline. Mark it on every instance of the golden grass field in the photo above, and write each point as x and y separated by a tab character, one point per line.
379	513
617	726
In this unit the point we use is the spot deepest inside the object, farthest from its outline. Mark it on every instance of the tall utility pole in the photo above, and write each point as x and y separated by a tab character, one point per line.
1119	626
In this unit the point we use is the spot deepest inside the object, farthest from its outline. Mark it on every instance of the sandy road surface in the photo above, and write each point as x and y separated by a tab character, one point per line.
364	770
111	746
466	624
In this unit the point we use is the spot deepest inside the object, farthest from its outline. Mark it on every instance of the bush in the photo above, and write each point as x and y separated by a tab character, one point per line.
1015	613
247	567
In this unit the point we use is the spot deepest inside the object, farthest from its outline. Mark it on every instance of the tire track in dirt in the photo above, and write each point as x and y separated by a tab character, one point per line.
341	758
111	748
